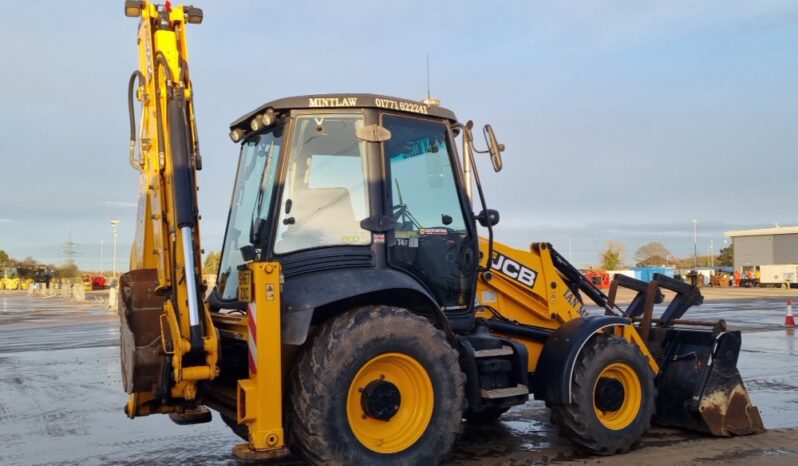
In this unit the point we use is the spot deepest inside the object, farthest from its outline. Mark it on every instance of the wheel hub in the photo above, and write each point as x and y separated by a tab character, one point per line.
609	394
381	400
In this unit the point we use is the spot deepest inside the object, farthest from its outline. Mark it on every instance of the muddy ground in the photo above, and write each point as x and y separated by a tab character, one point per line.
61	398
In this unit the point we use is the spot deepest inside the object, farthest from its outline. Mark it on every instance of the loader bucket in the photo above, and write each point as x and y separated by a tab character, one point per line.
699	386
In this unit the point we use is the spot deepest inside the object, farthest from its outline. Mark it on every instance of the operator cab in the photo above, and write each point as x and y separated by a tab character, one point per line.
335	187
363	200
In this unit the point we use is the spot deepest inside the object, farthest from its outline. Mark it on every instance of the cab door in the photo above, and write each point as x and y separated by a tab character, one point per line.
433	239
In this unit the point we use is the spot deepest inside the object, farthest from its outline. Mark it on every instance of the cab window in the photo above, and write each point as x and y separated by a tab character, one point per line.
431	240
325	192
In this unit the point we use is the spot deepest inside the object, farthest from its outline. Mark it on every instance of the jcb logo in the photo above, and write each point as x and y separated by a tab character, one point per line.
514	270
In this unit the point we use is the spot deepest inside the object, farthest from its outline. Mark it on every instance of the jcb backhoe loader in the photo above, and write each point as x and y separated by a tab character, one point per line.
358	316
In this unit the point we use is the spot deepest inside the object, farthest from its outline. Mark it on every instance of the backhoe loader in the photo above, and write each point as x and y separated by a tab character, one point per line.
358	316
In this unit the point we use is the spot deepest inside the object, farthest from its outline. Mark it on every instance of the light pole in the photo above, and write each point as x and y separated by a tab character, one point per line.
114	228
695	245
102	264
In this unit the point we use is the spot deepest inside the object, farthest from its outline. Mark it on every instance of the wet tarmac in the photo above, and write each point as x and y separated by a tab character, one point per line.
61	397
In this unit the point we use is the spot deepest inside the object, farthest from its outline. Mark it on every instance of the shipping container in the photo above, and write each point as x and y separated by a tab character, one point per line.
784	276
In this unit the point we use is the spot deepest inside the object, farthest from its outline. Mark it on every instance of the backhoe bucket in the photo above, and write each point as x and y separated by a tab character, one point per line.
699	387
140	331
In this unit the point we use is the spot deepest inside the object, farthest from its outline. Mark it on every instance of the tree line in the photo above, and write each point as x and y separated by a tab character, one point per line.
69	270
655	254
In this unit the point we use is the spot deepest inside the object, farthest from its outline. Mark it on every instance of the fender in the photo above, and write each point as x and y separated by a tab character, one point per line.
555	369
305	293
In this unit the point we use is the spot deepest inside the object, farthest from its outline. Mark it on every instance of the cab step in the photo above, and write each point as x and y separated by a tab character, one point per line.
495	352
518	390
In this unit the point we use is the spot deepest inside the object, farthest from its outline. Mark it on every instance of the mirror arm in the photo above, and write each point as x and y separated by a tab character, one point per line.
468	171
482	202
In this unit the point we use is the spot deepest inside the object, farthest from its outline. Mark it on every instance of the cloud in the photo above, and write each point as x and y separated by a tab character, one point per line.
7	220
120	204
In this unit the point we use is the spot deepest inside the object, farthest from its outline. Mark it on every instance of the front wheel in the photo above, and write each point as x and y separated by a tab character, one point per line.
377	386
612	397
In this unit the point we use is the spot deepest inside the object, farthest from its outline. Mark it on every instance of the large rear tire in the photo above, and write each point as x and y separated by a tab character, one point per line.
377	386
612	398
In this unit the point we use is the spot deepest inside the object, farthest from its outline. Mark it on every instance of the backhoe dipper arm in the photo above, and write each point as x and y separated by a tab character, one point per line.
167	237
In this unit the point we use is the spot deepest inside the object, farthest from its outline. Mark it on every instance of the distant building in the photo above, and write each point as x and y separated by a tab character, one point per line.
764	246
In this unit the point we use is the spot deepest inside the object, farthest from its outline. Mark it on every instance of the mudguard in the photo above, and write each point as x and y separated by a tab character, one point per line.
303	294
554	372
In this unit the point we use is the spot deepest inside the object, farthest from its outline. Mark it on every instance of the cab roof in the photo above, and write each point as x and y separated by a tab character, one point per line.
338	101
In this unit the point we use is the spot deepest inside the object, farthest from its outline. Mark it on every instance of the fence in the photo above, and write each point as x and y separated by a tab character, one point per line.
74	292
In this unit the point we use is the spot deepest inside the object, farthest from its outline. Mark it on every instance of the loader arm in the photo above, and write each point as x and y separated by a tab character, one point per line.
532	296
538	291
169	343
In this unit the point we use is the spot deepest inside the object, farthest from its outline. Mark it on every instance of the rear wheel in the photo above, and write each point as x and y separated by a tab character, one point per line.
378	385
612	397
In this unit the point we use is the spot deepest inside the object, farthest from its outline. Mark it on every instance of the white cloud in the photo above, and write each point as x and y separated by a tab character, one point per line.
7	220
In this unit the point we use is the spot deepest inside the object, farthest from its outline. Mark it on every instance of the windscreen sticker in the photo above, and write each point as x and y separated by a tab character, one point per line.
433	231
514	270
351	238
407	242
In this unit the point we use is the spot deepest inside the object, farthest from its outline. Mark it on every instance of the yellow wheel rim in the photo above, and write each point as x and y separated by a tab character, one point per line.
632	396
413	415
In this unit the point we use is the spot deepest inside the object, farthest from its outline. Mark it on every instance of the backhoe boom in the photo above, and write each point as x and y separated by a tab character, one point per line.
179	348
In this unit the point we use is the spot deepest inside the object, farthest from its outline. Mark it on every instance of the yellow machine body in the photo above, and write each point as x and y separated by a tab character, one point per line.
11	279
549	304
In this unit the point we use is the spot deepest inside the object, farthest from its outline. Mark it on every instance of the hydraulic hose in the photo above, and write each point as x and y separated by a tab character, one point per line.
132	114
192	120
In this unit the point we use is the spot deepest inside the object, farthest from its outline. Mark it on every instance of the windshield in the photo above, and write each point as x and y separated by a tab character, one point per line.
252	197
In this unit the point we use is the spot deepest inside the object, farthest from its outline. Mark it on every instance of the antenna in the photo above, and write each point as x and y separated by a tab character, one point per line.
429	100
429	94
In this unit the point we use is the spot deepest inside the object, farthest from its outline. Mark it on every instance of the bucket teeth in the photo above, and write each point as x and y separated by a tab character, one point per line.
728	411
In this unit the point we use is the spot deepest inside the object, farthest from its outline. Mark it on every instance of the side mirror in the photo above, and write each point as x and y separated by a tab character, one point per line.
488	217
494	148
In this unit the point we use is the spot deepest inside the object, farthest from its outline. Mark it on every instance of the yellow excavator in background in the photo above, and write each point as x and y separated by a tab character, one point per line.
11	279
358	316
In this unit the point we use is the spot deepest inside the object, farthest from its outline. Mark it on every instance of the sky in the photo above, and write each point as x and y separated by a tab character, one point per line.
623	120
